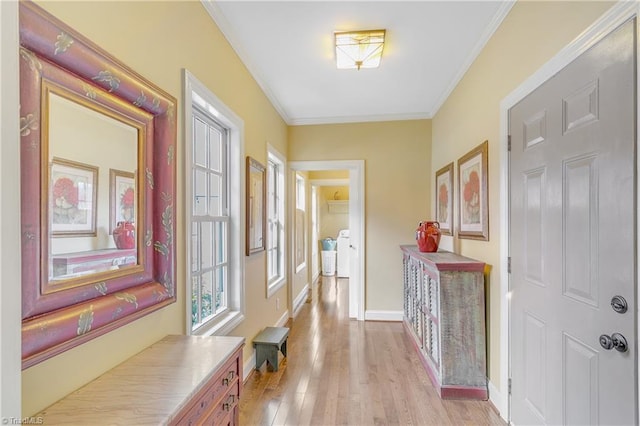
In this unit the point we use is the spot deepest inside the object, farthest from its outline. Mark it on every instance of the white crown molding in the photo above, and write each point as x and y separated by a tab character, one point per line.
502	13
218	17
359	119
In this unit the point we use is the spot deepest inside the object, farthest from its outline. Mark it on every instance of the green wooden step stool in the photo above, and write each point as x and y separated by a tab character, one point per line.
267	343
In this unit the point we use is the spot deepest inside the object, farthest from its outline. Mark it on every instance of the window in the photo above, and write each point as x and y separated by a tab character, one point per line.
209	219
300	184
275	221
214	223
300	226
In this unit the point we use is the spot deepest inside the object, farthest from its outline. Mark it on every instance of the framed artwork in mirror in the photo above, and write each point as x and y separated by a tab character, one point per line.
73	198
473	197
256	202
122	198
79	103
444	199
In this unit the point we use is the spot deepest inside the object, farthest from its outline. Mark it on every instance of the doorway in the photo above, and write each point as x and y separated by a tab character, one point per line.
356	227
329	219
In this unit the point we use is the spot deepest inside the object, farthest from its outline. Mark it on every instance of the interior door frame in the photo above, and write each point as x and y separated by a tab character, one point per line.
356	223
609	21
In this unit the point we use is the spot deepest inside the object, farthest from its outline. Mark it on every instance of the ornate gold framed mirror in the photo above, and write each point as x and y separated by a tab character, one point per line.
98	178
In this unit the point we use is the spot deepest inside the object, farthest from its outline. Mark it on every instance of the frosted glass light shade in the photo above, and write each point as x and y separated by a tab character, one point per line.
359	49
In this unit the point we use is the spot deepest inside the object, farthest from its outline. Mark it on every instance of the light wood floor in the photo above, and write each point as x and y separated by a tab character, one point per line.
346	372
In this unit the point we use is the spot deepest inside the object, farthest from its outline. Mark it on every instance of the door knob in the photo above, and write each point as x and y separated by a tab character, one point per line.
606	342
619	342
616	340
619	304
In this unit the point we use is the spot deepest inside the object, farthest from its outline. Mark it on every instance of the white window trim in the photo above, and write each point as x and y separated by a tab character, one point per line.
276	284
235	315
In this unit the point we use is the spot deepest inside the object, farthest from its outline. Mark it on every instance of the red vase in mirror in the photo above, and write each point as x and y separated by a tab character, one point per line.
428	236
125	235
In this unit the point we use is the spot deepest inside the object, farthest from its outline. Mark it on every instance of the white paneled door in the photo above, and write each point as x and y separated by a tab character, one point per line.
572	242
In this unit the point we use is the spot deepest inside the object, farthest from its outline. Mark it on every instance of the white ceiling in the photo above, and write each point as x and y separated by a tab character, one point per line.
288	48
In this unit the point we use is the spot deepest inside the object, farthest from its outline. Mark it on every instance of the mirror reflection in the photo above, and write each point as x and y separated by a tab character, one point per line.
93	199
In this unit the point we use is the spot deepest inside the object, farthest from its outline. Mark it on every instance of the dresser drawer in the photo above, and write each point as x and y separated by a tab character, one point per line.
222	414
213	397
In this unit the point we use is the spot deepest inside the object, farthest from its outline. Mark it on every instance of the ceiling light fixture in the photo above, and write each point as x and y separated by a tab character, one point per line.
359	49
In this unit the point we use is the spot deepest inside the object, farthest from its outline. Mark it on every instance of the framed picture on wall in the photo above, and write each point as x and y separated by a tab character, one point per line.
473	197
444	199
122	198
74	188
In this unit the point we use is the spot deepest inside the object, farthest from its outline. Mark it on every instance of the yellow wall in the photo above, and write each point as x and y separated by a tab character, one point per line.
532	33
157	40
397	190
329	174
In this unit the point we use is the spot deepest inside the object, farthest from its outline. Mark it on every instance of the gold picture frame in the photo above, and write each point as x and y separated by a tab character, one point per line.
74	197
122	198
444	199
473	194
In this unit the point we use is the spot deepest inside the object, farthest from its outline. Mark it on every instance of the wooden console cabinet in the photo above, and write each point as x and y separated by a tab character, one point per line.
180	380
444	312
69	265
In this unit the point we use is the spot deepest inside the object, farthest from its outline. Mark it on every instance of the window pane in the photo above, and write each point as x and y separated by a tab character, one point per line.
195	245
206	244
273	263
200	142
221	289
195	298
207	294
221	242
215	149
215	193
199	193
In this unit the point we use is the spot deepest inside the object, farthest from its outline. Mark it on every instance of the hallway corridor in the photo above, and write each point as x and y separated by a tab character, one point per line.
345	372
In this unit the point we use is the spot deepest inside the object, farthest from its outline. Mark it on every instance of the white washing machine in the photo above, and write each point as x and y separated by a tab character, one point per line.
342	262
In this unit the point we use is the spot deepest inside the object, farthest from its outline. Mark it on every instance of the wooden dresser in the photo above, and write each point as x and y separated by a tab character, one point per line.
444	312
180	380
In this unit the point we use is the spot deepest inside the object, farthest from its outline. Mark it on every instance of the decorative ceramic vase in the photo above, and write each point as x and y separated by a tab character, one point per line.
125	235
428	236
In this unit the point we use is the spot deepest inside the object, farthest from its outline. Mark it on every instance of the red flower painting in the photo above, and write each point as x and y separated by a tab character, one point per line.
65	193
443	203
128	198
127	204
471	197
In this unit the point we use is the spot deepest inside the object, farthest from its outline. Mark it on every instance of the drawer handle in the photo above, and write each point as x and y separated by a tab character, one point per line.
227	405
229	377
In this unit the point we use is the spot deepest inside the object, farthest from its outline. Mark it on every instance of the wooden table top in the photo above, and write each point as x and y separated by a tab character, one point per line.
148	388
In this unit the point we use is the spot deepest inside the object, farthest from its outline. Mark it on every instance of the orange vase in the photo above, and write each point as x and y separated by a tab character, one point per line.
428	236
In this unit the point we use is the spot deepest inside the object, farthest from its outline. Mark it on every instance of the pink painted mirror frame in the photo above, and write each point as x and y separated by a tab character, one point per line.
53	321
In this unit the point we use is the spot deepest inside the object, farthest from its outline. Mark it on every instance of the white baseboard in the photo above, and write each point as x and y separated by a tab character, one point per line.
283	319
300	300
496	399
383	315
249	365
